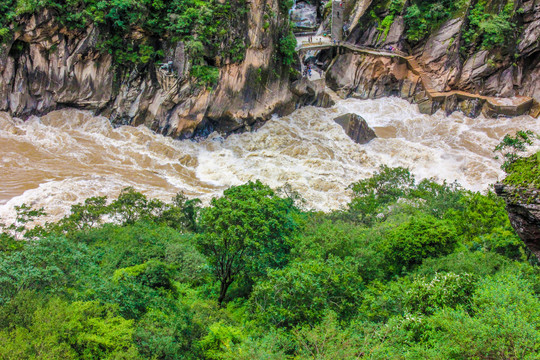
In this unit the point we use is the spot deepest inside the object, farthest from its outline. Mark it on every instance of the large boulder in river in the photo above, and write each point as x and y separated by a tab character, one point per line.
356	127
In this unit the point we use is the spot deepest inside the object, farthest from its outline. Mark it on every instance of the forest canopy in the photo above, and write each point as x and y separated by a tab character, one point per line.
408	270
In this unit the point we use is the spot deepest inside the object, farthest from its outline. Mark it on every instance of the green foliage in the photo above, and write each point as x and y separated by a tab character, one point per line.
511	146
287	48
328	340
25	216
503	323
246	232
220	338
371	196
439	274
422	237
78	330
163	335
479	214
303	291
490	29
524	172
424	16
130	206
385	25
52	265
205	75
445	290
285	5
154	21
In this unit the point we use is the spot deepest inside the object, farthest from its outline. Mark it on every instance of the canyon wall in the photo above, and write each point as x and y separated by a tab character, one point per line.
45	66
447	61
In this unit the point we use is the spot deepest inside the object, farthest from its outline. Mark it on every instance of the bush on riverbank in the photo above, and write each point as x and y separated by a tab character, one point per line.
410	270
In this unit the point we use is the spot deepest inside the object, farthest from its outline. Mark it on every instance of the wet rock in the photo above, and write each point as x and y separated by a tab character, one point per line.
523	207
45	67
429	107
304	15
356	128
311	93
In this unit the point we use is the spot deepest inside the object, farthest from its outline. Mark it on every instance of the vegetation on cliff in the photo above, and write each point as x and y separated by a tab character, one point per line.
488	23
206	25
137	33
409	270
521	172
524	172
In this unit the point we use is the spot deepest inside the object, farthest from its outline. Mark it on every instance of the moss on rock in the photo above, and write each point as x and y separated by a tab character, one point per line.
524	172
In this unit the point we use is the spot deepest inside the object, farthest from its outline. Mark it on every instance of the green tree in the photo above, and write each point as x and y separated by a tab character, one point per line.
301	292
51	265
246	232
372	195
421	237
511	146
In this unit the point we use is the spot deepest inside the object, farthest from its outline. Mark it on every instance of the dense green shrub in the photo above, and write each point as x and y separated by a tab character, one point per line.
422	237
524	172
78	330
488	28
52	265
287	48
304	291
444	290
423	16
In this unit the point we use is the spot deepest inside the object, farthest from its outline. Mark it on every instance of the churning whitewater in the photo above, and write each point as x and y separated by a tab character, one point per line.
66	156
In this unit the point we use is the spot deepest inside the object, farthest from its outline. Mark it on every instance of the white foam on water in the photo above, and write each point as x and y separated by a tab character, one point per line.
66	156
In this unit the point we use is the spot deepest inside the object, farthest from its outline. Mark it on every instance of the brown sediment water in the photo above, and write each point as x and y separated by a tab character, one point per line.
62	158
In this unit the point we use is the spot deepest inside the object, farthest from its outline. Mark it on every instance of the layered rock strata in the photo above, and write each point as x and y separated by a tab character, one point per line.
435	64
45	67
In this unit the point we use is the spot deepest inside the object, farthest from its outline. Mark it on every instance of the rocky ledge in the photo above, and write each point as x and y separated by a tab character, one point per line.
523	207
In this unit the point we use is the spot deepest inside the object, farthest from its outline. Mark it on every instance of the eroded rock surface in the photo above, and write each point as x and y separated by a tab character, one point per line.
45	67
356	128
491	73
523	207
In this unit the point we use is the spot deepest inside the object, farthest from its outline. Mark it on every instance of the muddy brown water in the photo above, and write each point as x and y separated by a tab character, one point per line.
66	156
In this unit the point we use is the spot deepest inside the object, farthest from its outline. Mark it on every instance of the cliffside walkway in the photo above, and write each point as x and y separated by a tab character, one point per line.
506	106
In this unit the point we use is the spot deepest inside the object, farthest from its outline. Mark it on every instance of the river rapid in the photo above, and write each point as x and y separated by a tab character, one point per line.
62	158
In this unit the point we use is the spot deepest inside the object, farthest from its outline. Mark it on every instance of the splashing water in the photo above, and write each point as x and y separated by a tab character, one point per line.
66	156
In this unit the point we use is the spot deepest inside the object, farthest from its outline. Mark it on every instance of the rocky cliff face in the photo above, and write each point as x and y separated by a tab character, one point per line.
46	67
523	206
447	61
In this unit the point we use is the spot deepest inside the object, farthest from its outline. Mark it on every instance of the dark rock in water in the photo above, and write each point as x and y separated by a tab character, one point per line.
523	207
356	127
